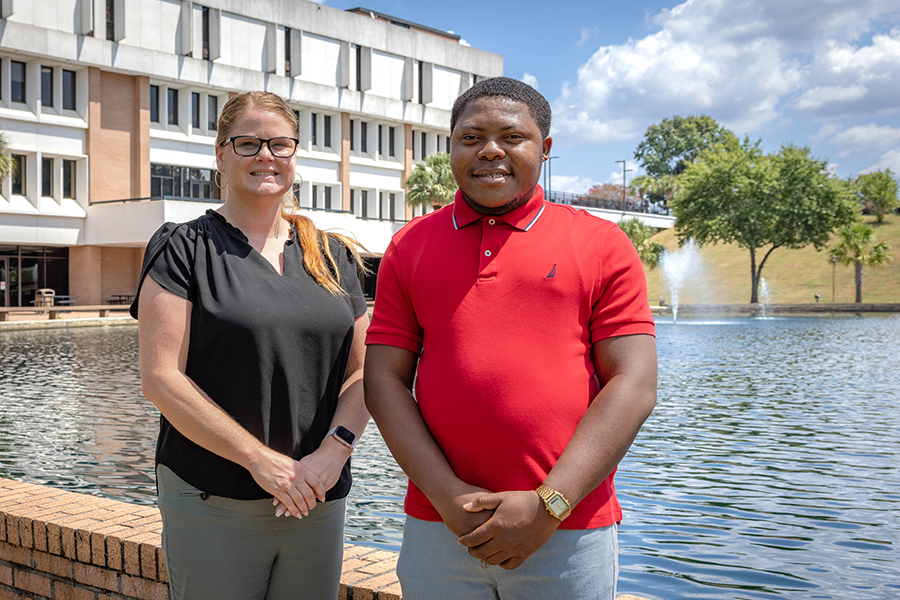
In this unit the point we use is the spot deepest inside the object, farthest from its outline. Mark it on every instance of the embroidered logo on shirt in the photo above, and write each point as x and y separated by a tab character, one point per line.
552	272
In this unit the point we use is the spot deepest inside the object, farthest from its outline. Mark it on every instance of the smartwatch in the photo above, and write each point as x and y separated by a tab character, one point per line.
343	435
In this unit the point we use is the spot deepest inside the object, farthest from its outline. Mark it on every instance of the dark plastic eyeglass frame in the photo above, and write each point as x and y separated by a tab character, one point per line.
261	142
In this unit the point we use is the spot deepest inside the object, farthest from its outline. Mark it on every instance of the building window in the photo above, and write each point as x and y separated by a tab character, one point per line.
205	27
315	196
380	140
363	137
424	140
327	197
68	83
46	177
182	182
17	81
358	68
111	20
173	106
364	203
68	190
352	141
413	149
212	110
326	130
287	51
195	110
314	133
154	104
391	149
47	86
421	81
18	174
447	143
352	200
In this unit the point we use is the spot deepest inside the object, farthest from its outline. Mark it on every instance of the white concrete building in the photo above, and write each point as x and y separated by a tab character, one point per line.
109	111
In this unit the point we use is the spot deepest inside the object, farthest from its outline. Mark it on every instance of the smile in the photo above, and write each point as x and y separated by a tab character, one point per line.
493	177
263	173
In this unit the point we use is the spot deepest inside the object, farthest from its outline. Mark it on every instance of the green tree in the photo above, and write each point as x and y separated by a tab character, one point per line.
854	248
640	233
734	193
878	192
5	158
671	144
431	182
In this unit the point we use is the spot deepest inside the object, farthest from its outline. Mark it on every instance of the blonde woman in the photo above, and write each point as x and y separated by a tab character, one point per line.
252	326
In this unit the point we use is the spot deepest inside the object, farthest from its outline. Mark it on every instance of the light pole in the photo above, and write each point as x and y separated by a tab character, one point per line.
548	177
624	188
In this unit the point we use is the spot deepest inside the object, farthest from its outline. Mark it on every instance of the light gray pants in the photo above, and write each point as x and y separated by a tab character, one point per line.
572	565
239	550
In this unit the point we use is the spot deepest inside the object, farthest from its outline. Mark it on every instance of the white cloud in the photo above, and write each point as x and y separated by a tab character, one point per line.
890	160
866	139
744	62
530	80
586	34
571	184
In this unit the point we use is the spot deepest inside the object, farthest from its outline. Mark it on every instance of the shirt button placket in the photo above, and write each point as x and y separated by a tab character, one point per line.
489	239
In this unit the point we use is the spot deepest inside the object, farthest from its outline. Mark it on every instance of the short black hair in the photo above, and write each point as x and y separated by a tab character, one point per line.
508	88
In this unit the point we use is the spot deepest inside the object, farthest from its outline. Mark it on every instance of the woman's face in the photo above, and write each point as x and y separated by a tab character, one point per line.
264	175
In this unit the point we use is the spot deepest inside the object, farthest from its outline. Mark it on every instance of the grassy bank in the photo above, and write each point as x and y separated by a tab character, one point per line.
792	276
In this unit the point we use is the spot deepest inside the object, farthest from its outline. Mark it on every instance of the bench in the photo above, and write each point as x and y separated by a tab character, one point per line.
53	312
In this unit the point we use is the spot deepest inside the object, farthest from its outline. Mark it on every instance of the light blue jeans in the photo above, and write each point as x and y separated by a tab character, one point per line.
223	549
573	565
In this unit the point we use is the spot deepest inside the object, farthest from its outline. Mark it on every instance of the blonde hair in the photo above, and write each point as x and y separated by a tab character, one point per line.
318	259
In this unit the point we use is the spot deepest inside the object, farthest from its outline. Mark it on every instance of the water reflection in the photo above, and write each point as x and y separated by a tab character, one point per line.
770	468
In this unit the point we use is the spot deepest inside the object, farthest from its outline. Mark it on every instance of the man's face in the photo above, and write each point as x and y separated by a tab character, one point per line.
496	154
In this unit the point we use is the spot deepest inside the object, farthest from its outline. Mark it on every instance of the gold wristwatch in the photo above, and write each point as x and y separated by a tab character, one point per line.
555	503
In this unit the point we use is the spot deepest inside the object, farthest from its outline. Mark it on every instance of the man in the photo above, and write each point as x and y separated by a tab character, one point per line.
527	330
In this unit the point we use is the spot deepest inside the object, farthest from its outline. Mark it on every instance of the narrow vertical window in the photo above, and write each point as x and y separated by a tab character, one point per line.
352	200
68	190
46	177
393	202
358	68
195	110
154	103
391	149
364	203
315	196
314	133
212	112
413	149
424	141
421	83
447	140
68	83
380	140
352	141
18	174
205	27
327	197
173	106
111	20
363	137
17	81
326	130
47	86
287	52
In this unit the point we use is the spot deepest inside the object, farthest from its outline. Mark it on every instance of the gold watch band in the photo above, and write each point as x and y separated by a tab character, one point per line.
555	503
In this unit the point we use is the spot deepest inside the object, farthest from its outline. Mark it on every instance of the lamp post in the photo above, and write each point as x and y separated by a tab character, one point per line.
624	188
548	177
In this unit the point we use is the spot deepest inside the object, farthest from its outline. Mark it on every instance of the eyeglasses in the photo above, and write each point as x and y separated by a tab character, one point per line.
250	145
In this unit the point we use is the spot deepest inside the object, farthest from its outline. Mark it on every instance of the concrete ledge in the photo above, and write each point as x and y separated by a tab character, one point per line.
62	545
772	309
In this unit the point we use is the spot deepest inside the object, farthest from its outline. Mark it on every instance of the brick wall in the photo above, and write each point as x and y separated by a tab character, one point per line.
61	545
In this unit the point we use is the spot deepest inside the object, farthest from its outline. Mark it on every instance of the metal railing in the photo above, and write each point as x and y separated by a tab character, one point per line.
594	202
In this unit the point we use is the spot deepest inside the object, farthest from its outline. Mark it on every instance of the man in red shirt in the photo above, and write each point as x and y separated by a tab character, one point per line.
526	328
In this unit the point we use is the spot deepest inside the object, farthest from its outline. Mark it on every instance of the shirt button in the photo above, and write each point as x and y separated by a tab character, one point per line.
491	221
487	252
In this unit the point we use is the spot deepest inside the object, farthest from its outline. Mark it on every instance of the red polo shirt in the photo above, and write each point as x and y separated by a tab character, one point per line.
504	311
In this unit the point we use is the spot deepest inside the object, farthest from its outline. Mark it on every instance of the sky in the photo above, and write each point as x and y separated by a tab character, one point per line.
818	73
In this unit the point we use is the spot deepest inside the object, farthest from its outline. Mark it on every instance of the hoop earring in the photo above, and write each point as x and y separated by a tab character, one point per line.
217	178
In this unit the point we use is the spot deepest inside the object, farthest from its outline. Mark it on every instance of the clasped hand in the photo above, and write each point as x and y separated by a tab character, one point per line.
297	485
517	526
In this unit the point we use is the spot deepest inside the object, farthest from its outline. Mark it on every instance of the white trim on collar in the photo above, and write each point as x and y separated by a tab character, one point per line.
536	217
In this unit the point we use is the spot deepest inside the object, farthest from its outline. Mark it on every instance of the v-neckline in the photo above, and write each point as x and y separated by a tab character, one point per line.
237	231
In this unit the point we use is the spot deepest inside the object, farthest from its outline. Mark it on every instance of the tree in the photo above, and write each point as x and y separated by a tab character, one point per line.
734	193
431	182
5	158
854	248
878	192
640	233
671	144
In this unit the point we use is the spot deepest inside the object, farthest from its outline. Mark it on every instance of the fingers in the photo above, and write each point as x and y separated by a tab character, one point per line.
476	538
483	502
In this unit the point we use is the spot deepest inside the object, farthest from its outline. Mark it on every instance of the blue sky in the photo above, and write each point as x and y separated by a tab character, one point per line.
817	73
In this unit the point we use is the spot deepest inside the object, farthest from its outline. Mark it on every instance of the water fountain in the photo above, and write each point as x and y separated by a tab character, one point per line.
678	266
763	295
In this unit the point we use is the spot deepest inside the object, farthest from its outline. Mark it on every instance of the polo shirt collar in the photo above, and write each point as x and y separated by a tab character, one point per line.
523	217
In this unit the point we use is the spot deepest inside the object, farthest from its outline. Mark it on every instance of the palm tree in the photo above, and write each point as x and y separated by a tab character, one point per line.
854	248
431	182
640	233
5	158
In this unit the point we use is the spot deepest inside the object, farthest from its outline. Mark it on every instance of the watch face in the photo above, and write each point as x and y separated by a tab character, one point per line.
345	434
557	505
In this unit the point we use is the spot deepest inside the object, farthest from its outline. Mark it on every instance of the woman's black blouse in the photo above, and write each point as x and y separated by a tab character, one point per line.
270	349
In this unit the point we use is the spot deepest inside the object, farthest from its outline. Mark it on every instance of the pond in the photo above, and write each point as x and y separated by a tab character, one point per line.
770	467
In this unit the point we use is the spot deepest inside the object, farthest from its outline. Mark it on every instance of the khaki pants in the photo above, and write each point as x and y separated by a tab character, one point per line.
239	550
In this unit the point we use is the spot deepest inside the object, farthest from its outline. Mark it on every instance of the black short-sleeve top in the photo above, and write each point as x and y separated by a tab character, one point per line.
270	349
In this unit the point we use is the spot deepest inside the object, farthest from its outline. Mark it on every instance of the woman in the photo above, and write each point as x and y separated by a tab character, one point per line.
252	328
